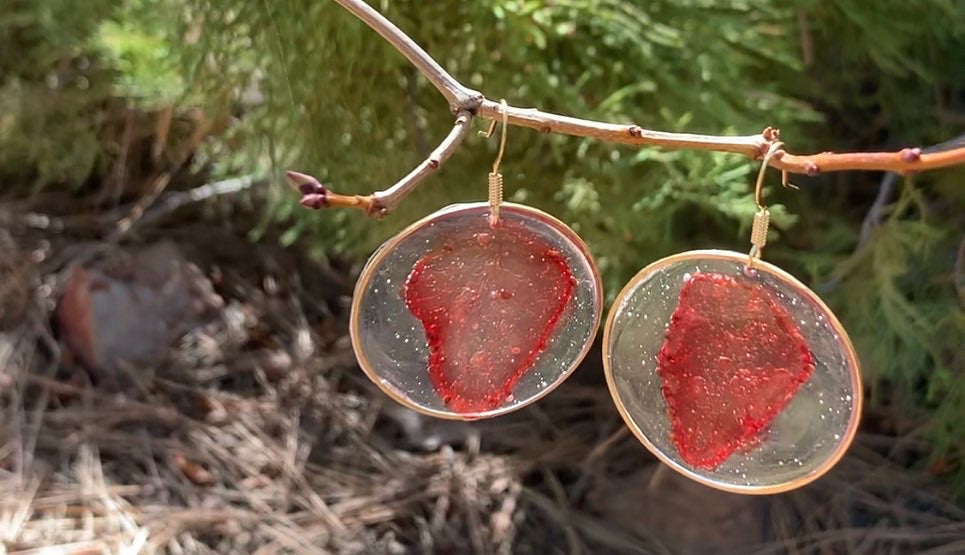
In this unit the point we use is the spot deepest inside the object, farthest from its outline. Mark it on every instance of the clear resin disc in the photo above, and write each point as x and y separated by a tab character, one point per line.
461	319
741	379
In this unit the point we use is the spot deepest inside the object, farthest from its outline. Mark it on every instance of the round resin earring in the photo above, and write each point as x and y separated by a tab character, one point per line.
477	310
730	370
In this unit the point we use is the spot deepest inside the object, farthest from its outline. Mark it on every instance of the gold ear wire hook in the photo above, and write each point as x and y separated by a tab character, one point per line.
489	132
762	218
758	188
496	178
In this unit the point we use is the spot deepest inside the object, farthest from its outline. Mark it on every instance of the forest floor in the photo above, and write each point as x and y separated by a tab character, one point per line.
254	431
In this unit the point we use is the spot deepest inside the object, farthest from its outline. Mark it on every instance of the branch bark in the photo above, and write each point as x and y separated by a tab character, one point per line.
459	96
387	200
466	103
315	195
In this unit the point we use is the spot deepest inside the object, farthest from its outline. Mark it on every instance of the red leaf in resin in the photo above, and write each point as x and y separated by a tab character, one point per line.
488	302
731	360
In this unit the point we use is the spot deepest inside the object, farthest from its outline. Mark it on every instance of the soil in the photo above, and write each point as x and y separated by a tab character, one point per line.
256	432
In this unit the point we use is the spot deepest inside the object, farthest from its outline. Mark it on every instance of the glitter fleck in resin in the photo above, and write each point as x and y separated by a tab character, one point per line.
488	302
731	360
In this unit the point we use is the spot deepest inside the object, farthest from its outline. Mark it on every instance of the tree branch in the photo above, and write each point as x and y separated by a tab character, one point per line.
467	102
751	145
315	195
459	96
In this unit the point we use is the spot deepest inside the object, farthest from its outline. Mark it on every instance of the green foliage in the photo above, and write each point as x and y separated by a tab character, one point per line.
309	87
143	61
895	297
52	91
336	100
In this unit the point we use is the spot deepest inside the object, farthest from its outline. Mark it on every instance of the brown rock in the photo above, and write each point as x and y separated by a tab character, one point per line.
132	315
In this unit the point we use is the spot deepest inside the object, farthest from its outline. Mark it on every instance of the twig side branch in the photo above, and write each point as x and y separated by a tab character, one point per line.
467	103
315	195
545	122
459	96
387	200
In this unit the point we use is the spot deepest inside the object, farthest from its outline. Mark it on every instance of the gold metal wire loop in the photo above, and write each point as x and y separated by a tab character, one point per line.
762	218
758	188
495	196
759	232
495	177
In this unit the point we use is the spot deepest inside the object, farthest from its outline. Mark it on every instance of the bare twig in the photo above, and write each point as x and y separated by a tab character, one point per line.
877	211
459	96
468	102
164	179
315	196
545	122
173	201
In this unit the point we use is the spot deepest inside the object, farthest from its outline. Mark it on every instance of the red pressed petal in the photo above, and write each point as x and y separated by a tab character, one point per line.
731	360
488	302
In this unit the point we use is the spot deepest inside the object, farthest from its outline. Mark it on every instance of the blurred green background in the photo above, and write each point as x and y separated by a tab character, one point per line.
92	97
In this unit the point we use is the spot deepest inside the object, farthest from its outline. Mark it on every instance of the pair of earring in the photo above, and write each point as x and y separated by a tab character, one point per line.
725	367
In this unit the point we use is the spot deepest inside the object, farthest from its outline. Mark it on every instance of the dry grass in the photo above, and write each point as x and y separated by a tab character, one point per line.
259	435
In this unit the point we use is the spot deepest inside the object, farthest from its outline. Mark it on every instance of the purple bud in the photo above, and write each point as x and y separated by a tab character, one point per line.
305	183
910	154
314	201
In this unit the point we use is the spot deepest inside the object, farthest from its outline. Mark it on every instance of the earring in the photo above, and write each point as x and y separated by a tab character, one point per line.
478	309
730	370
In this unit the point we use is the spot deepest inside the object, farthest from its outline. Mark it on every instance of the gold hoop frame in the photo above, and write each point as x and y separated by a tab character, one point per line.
379	255
786	279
